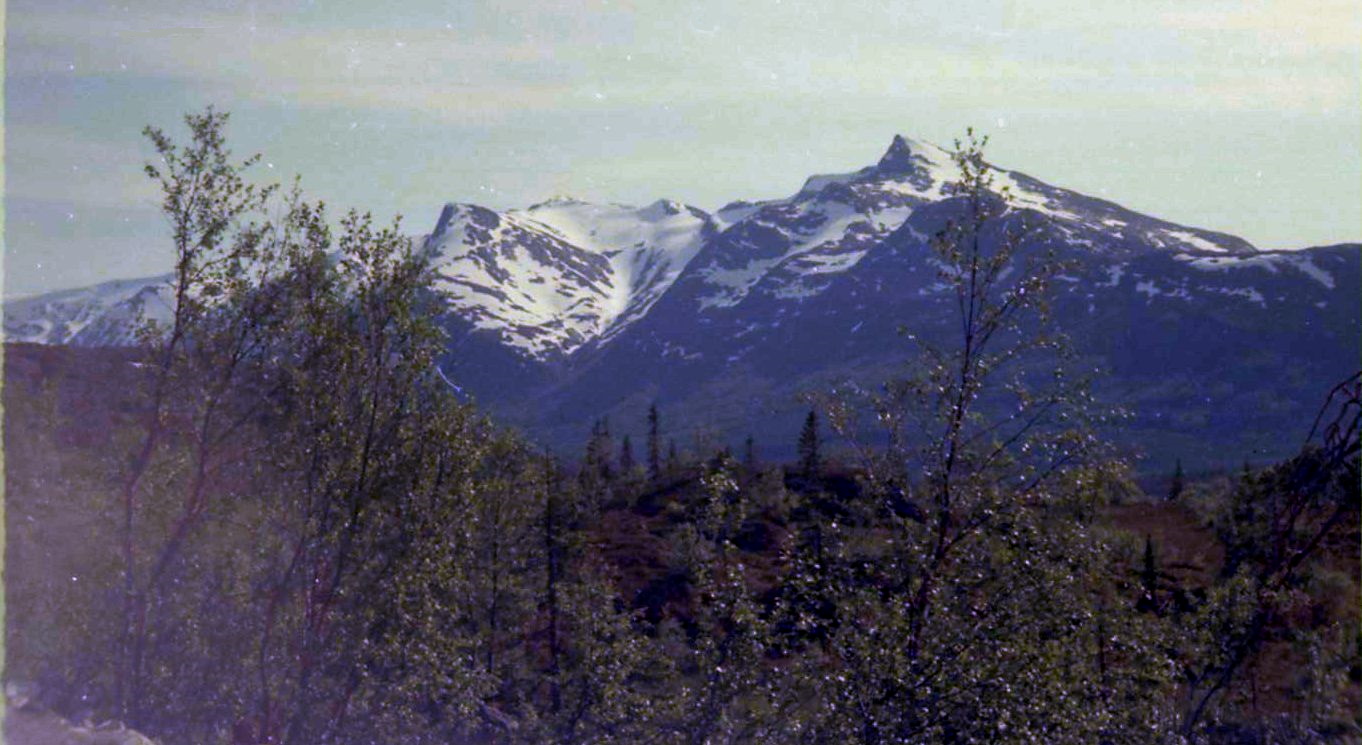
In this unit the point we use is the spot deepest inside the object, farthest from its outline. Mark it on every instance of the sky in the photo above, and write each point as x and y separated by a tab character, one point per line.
1243	116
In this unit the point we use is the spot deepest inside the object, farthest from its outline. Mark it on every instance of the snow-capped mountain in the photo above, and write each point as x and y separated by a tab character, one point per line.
566	275
565	310
549	278
552	278
106	314
1223	346
794	248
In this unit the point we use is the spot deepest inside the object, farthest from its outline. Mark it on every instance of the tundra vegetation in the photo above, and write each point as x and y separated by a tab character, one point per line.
276	521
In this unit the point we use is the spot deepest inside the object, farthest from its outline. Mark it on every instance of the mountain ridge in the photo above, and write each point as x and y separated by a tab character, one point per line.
566	310
603	297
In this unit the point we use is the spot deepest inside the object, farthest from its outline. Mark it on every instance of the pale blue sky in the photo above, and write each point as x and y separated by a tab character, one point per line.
1237	115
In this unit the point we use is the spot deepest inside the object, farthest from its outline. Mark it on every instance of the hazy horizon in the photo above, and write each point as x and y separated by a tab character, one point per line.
1240	118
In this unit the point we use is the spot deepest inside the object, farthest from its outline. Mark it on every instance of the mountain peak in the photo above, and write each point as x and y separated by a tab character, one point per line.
900	155
558	200
442	224
662	208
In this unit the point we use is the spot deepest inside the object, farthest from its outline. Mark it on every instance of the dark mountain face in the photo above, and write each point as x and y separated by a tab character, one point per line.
1218	360
568	311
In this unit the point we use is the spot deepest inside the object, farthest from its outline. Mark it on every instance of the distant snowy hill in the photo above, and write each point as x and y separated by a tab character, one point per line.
106	314
565	310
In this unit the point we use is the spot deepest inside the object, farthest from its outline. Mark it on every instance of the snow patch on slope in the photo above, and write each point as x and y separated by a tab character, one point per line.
1194	241
1272	262
106	314
552	277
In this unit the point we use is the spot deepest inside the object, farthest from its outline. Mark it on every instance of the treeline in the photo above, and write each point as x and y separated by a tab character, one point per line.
299	532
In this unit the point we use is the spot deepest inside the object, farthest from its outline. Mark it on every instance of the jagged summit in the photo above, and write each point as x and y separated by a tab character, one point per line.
914	164
903	156
442	224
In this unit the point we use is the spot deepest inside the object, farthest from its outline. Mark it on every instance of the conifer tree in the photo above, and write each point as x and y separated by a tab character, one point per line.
553	549
626	456
596	463
1176	487
605	449
809	459
1149	578
654	444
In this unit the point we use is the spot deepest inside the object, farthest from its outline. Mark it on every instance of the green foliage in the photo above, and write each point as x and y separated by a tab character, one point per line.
303	536
725	686
963	593
1273	523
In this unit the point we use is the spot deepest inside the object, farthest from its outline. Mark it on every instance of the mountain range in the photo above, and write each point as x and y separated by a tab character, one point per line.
566	311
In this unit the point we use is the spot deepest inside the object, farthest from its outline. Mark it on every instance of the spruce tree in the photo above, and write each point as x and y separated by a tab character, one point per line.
1149	578
596	463
553	574
654	445
626	456
809	460
605	448
1175	489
